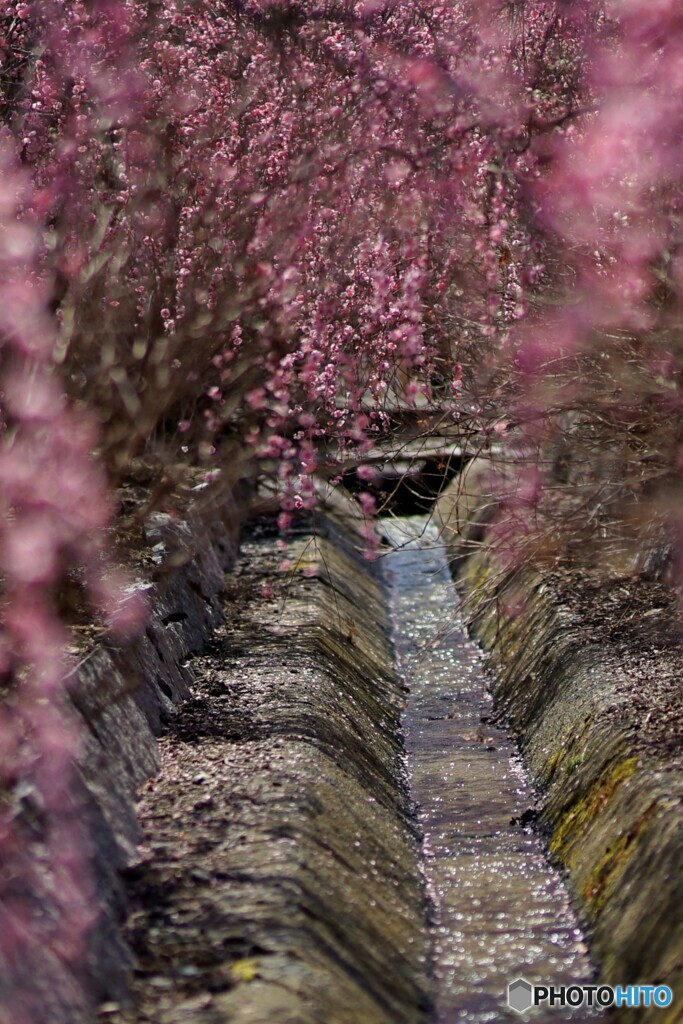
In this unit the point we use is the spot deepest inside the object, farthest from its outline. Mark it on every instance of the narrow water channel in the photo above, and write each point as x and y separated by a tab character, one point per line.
280	877
500	910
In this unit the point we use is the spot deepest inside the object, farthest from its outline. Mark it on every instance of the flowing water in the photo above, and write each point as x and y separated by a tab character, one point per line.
500	910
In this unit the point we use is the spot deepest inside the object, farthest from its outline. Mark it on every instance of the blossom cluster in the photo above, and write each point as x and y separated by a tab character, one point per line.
237	235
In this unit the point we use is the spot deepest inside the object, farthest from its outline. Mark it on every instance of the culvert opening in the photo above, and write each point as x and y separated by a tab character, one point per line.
407	486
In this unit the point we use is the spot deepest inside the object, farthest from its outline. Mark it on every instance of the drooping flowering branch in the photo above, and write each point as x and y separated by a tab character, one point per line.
599	355
236	234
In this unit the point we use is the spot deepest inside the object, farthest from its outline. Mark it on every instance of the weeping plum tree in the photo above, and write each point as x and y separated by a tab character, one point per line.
234	232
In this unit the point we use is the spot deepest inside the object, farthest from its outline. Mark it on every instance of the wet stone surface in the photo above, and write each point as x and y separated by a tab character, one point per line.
500	911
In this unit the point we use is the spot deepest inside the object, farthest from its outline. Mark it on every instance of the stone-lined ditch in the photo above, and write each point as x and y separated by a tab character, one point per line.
281	876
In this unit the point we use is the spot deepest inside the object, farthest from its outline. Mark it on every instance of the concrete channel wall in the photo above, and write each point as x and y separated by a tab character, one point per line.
611	808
